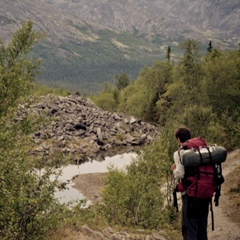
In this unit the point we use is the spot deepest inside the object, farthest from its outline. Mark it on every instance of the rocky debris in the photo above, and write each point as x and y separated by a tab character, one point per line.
110	234
76	127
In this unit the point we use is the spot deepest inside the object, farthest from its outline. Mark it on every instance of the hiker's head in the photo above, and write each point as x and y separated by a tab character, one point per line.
182	134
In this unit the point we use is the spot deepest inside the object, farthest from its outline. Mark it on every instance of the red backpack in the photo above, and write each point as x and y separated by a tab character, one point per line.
199	181
203	180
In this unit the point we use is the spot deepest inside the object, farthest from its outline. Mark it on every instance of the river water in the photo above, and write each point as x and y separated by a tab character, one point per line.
68	172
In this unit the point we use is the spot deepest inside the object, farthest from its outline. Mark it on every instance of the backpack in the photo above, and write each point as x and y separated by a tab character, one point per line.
205	178
203	171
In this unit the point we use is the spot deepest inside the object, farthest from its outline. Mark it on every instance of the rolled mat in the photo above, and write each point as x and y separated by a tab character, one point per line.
203	156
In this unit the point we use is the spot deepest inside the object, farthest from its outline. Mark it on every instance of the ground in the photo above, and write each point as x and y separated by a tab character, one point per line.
90	185
226	215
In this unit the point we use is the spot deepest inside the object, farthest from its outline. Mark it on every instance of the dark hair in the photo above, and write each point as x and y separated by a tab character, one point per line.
183	133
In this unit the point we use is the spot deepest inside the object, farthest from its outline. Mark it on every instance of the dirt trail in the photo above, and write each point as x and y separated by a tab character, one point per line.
225	228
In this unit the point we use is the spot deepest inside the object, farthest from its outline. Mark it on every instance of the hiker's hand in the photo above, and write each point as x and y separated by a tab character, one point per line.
173	167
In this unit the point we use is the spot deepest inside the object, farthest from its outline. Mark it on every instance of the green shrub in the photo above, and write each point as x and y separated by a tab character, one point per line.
27	201
137	196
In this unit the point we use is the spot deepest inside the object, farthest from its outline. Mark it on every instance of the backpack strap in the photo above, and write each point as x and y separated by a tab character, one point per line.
217	195
219	180
175	203
210	155
201	158
179	155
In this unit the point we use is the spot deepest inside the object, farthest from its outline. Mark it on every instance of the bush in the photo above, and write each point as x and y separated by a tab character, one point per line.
136	197
28	206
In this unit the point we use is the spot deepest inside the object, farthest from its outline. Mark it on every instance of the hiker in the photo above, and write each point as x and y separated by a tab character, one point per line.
194	210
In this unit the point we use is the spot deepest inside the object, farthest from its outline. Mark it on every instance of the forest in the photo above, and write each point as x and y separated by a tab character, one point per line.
201	92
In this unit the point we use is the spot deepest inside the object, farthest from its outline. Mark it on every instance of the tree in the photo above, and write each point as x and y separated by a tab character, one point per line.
221	83
122	81
107	99
139	97
168	55
133	99
221	88
210	47
156	78
27	201
190	71
185	88
17	70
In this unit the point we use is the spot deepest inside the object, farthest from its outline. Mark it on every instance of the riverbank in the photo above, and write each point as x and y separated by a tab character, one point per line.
90	185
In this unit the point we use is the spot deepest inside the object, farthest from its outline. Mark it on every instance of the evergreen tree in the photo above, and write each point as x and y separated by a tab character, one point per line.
168	55
189	72
222	82
17	70
210	47
122	81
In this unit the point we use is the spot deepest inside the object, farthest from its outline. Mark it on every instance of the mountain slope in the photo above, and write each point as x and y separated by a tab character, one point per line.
168	18
89	42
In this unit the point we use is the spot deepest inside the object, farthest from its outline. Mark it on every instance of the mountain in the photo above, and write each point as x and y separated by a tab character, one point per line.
161	18
90	42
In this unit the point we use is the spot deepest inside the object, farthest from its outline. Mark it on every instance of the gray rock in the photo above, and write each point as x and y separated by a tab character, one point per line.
76	125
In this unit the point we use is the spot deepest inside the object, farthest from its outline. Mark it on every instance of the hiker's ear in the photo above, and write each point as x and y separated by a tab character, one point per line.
179	142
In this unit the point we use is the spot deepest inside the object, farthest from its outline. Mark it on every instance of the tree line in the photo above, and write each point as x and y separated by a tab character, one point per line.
202	92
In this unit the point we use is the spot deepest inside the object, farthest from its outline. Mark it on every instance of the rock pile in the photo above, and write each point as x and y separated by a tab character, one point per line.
76	127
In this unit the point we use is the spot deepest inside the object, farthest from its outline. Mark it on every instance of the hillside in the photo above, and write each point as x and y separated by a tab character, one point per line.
89	42
162	19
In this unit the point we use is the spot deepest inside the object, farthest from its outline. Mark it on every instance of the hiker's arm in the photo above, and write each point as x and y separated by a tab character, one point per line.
177	167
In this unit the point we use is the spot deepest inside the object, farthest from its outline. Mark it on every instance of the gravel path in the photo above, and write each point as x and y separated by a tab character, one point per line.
225	228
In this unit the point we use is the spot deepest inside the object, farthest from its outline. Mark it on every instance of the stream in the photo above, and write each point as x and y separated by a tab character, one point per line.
68	172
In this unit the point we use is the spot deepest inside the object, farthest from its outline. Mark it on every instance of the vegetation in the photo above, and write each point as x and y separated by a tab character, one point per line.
199	92
16	71
85	66
137	197
27	201
196	91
